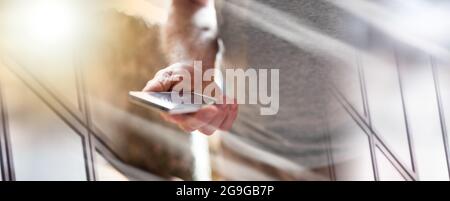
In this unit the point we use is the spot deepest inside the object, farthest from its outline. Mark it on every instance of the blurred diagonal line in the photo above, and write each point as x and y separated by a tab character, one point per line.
364	95
294	31
130	171
235	170
382	19
57	106
6	163
378	140
289	28
155	131
69	116
405	113
442	116
271	159
83	102
45	94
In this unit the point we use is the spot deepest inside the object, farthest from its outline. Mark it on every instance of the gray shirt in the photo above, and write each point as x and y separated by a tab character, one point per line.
295	36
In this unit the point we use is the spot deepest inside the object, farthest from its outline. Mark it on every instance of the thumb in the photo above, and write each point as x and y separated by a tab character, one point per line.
162	83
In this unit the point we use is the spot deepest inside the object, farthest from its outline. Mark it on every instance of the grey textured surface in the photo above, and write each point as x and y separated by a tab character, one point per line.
297	132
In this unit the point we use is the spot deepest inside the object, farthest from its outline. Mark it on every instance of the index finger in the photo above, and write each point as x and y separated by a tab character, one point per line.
191	122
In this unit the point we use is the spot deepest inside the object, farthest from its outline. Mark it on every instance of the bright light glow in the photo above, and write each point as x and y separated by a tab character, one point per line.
45	22
51	21
424	20
405	22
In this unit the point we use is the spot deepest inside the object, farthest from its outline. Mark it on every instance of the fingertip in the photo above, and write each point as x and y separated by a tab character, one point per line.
234	107
186	128
152	86
207	131
209	111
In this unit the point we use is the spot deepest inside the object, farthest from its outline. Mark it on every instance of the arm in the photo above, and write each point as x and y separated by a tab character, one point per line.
191	33
188	36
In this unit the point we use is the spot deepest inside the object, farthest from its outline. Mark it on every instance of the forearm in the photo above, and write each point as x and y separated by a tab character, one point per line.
188	36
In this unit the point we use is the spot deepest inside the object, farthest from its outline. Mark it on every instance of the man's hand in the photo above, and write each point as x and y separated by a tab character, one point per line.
186	39
208	119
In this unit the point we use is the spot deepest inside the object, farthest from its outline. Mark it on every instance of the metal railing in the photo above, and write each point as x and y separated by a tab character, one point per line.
78	120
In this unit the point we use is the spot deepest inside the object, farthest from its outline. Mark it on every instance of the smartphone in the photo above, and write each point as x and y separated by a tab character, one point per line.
189	103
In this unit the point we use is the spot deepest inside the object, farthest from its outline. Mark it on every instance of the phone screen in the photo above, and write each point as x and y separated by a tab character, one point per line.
172	102
183	98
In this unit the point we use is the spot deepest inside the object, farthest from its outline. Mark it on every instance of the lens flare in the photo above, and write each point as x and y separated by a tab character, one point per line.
51	21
